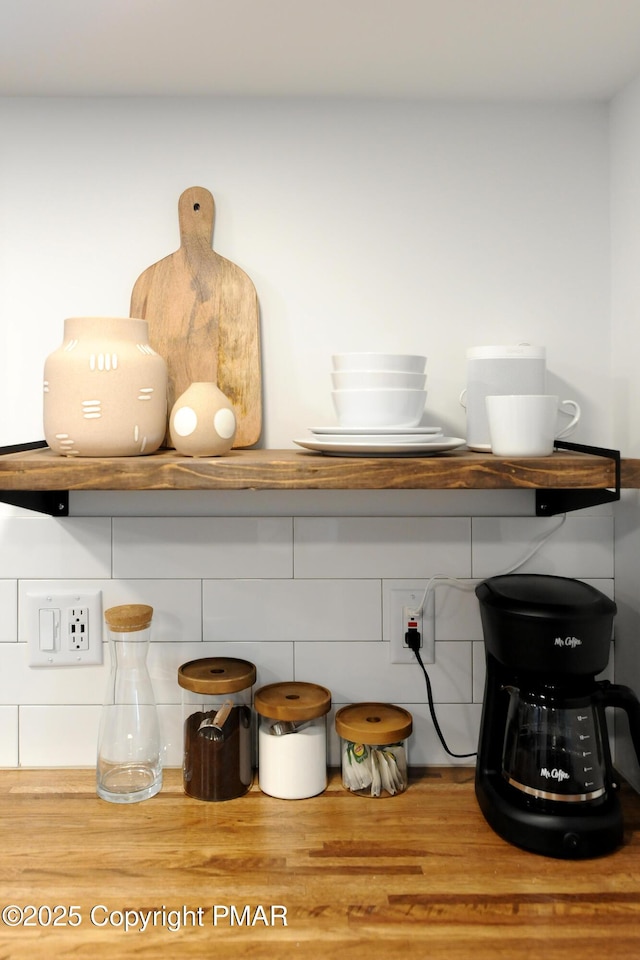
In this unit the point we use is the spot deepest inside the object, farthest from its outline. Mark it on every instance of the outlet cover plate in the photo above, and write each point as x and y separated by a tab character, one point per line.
396	596
47	622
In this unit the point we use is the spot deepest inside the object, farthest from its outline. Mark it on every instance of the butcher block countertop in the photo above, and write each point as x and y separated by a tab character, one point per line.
336	876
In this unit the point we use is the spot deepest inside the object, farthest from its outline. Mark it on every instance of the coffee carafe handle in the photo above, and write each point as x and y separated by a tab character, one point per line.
618	695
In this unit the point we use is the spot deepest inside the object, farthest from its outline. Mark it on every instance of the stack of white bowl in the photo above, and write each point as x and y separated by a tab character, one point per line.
374	390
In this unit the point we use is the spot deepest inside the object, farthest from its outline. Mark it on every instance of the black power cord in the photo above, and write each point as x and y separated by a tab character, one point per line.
412	636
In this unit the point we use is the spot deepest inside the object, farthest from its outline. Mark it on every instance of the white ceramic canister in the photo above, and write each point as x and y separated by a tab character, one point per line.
292	739
105	390
496	371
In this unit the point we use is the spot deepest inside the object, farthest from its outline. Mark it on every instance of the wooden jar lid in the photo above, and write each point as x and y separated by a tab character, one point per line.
129	617
293	700
213	675
373	723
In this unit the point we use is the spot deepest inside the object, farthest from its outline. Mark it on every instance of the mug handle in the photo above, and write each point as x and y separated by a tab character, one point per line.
570	427
462	399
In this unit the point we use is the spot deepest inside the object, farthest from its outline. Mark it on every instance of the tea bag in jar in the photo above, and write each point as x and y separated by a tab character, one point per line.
373	748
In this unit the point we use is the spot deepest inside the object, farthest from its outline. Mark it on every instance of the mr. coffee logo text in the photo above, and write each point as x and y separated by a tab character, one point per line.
554	774
572	642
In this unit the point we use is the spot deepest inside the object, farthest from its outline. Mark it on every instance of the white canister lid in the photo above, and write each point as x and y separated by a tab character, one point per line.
517	350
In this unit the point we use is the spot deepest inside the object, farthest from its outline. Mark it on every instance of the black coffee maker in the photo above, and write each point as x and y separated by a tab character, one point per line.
544	777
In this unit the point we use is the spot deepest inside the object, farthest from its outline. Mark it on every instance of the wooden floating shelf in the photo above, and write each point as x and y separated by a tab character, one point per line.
42	470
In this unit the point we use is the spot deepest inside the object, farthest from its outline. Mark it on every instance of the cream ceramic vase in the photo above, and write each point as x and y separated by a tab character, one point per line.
105	390
202	421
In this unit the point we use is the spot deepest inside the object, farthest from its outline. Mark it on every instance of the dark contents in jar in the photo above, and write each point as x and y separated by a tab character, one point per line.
218	769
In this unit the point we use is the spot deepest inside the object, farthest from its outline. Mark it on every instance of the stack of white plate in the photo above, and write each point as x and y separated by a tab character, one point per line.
379	399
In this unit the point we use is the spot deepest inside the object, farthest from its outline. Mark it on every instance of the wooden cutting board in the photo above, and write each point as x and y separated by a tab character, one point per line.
203	317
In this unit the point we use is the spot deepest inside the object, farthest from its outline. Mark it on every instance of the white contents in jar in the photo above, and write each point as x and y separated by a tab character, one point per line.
293	766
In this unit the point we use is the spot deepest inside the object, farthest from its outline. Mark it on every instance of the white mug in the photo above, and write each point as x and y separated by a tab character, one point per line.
526	425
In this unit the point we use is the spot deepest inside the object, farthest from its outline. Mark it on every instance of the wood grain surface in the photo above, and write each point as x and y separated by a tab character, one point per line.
203	317
416	875
296	470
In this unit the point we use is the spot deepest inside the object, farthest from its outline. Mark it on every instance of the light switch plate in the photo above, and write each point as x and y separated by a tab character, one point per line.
63	628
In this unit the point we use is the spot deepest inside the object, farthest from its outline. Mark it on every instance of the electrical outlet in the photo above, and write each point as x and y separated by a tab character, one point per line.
78	638
411	620
400	598
63	628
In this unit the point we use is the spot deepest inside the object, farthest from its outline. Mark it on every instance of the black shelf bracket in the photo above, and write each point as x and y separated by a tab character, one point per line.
55	503
551	502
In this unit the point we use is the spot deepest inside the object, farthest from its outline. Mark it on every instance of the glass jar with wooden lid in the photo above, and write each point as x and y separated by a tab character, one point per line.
373	748
292	739
217	715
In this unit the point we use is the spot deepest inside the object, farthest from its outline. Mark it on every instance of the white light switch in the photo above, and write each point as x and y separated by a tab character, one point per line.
49	629
63	628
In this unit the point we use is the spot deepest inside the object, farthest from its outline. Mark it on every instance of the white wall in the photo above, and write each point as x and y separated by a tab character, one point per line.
363	224
625	246
625	257
378	225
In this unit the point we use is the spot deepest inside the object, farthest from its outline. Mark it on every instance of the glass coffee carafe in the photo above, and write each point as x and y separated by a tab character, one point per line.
554	746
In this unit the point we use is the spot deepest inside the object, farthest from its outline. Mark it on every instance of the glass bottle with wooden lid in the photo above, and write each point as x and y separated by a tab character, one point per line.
129	766
373	747
217	715
292	739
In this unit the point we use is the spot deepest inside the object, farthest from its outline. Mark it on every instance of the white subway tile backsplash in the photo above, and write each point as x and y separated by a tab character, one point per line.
359	672
460	726
204	547
177	604
58	736
457	615
298	594
171	734
163	662
605	586
273	662
578	547
391	547
479	671
9	736
38	547
457	611
8	611
290	610
20	683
